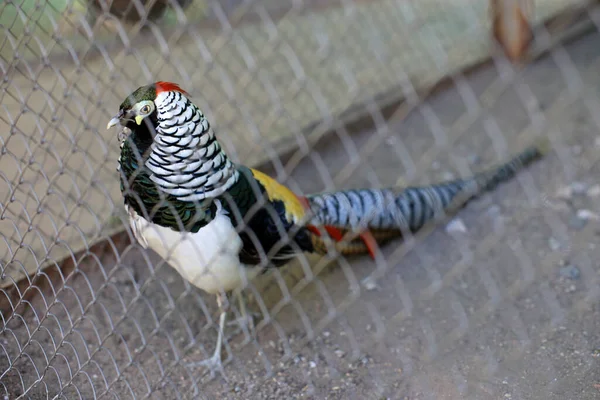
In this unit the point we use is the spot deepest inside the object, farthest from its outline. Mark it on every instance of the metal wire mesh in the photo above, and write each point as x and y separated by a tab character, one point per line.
500	304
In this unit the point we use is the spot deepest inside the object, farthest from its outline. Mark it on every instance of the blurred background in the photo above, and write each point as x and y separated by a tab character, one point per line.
502	302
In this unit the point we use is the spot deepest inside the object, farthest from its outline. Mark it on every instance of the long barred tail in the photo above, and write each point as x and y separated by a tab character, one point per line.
387	213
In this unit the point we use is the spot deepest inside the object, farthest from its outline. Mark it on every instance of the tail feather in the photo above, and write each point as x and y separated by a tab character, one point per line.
489	180
387	211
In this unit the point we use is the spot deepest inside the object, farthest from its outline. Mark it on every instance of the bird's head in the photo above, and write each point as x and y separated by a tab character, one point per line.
140	106
174	141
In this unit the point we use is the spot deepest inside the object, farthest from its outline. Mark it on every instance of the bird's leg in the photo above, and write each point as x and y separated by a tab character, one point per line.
246	321
214	363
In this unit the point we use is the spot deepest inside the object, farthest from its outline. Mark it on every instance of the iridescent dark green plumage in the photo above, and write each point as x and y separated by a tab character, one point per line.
142	93
262	230
146	198
263	223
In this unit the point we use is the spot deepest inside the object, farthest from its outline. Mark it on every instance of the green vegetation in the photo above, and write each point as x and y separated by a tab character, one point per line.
27	27
23	20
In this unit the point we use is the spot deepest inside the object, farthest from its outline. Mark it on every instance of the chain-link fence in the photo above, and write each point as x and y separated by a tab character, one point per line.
323	95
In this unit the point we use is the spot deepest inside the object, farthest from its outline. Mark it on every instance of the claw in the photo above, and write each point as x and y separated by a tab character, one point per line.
246	321
213	364
244	325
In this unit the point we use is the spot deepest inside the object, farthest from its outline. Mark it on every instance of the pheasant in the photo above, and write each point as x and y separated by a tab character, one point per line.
220	224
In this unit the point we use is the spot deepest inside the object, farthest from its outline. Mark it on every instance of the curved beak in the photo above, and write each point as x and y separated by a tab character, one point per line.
115	120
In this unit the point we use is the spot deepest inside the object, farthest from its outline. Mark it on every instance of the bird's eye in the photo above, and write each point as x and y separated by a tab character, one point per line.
145	109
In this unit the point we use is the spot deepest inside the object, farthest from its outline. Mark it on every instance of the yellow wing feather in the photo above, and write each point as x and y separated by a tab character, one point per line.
294	208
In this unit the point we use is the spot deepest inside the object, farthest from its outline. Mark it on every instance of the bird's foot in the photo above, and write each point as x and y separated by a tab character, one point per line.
245	325
213	364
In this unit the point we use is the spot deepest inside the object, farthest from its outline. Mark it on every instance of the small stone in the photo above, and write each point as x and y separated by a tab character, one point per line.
594	191
577	223
370	284
588	215
456	226
312	364
447	176
326	334
569	271
339	353
575	188
579	188
554	244
474	159
494	211
564	193
571	289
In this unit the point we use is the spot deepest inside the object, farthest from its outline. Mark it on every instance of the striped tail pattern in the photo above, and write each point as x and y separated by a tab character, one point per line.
380	215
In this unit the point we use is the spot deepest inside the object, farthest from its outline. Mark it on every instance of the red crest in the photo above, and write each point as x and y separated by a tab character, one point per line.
169	87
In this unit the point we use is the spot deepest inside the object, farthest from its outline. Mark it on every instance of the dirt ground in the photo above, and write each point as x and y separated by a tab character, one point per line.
504	309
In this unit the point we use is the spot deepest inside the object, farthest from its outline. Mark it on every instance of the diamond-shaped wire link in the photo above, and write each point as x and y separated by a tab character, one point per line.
322	95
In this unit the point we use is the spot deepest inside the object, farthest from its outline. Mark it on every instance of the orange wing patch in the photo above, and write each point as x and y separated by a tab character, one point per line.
336	234
294	207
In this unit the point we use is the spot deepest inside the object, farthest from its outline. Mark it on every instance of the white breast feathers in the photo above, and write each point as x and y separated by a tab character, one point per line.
208	259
